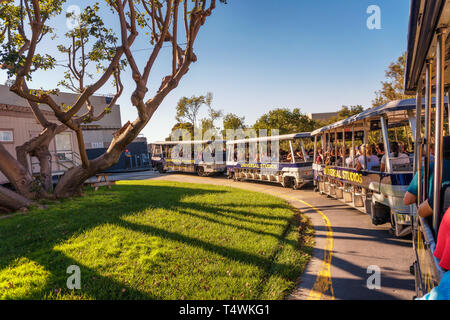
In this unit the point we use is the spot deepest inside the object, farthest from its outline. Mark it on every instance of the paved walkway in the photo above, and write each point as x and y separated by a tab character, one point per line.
347	244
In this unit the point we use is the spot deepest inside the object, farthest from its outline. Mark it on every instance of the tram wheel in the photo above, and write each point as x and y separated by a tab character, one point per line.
288	182
201	171
161	169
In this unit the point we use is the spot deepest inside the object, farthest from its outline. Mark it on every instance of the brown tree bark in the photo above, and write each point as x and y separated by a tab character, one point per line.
11	201
17	174
39	147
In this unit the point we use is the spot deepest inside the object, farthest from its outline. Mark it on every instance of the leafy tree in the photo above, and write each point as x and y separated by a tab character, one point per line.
188	110
392	88
208	123
187	126
345	113
286	121
25	23
233	122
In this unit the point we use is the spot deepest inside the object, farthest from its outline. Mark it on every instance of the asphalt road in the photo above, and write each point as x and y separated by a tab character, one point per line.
347	244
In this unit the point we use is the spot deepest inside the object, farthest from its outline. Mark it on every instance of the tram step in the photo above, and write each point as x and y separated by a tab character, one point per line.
358	200
348	198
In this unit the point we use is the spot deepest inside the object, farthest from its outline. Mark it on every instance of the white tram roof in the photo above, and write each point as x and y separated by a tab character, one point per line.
392	108
426	17
173	143
273	138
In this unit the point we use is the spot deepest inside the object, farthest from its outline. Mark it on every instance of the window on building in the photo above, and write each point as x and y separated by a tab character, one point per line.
6	136
64	149
98	145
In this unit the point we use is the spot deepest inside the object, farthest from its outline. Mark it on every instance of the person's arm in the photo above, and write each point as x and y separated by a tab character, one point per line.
411	194
358	166
409	199
425	210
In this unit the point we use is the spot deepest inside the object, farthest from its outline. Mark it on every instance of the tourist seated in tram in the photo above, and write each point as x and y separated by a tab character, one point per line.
339	158
298	156
396	157
442	251
411	194
320	157
372	160
330	159
349	160
379	148
284	156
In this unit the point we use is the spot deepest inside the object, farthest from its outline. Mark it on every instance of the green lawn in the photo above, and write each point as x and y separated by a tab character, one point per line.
156	240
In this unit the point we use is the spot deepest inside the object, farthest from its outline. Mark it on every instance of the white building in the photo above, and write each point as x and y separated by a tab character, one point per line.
18	125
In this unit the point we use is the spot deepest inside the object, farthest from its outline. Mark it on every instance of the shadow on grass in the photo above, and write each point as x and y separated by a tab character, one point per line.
34	236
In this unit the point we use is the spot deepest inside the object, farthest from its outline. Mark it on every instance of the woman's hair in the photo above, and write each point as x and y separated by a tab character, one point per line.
394	148
380	146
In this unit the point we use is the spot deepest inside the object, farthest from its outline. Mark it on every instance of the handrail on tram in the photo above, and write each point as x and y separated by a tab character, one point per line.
181	142
285	137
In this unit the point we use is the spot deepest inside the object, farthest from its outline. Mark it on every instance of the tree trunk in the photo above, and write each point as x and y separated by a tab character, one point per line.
45	163
39	147
11	201
71	183
17	174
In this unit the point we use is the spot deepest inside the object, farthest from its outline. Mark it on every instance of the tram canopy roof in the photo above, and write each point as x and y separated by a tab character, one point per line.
426	17
174	143
374	113
273	138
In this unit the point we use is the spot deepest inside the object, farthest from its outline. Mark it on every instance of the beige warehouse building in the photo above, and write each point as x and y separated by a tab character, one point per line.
18	125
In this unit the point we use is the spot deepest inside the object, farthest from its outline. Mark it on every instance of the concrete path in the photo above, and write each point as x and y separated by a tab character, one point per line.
347	244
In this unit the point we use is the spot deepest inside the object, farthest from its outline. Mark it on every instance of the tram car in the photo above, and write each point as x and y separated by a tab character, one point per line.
427	73
280	159
351	169
206	158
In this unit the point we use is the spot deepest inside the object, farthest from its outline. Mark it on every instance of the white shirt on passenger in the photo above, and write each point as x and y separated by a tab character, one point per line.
348	162
401	159
372	161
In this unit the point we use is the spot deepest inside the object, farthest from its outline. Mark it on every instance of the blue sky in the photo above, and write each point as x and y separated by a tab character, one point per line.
255	55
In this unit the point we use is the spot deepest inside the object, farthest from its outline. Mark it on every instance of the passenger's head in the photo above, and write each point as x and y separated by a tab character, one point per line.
366	149
395	149
370	149
380	148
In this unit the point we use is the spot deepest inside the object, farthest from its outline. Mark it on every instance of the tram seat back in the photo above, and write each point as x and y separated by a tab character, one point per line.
402	167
